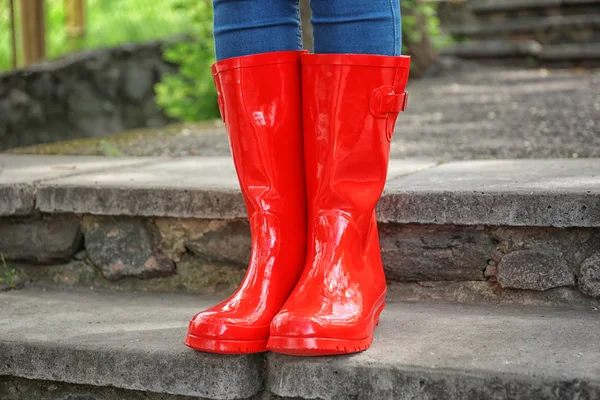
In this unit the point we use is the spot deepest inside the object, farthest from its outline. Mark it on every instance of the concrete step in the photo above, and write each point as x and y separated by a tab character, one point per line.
484	7
526	52
180	225
98	345
494	48
545	29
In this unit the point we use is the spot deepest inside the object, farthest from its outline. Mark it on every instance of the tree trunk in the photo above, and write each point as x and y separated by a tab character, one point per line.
33	28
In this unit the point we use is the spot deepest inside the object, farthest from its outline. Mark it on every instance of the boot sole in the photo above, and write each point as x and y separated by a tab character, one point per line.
304	346
225	346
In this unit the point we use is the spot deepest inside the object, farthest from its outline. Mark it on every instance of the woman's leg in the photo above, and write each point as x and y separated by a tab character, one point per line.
357	26
246	27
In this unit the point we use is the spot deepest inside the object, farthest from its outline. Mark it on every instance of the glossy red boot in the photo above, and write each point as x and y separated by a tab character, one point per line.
260	101
350	106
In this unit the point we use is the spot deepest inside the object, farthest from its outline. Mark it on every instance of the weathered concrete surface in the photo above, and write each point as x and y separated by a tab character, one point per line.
504	192
25	389
129	341
434	351
46	240
557	193
426	351
20	174
489	293
501	192
198	187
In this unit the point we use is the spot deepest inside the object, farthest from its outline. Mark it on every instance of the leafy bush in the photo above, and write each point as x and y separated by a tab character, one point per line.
414	13
190	95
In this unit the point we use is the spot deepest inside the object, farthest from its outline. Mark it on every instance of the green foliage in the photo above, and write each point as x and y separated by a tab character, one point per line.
10	275
110	150
413	13
108	23
189	95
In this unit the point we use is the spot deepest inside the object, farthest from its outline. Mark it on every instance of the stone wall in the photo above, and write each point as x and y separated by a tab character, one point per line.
88	94
210	256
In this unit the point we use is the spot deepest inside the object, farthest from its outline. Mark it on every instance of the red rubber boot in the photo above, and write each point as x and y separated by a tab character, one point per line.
350	106
259	98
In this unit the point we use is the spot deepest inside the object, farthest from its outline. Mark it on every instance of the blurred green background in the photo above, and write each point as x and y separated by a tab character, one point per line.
108	23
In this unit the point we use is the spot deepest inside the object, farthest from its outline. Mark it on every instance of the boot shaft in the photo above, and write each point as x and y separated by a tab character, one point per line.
350	106
260	102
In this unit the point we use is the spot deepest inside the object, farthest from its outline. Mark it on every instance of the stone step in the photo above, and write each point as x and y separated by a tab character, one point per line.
544	29
179	225
528	51
494	48
98	345
483	7
552	33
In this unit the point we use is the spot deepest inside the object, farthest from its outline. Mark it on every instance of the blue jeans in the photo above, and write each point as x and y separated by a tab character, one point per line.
245	27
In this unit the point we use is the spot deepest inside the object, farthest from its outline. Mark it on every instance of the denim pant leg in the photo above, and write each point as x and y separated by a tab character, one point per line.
357	26
245	27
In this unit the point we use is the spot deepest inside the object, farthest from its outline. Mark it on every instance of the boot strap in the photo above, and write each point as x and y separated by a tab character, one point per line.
384	101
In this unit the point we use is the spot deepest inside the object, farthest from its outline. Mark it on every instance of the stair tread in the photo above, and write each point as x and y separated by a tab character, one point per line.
525	24
494	48
127	340
134	341
561	192
486	6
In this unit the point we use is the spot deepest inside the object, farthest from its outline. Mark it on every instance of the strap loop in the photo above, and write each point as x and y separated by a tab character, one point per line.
384	101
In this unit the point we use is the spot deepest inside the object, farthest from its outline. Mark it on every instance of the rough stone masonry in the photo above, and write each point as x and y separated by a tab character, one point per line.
210	256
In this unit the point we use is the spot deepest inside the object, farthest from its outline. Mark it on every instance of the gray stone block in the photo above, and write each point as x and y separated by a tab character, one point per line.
228	243
126	341
422	253
434	351
589	276
47	240
124	247
534	270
